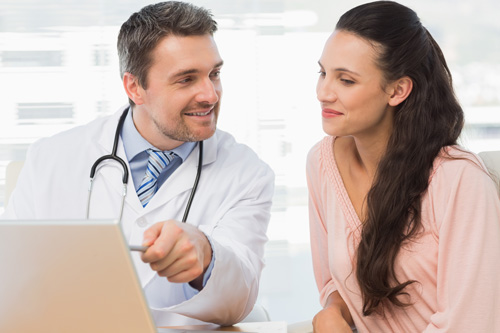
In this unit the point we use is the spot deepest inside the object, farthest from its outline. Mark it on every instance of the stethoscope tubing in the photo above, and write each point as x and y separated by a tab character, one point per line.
196	180
113	156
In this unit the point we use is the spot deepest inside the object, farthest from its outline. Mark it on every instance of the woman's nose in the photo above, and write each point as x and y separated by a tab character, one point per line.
325	91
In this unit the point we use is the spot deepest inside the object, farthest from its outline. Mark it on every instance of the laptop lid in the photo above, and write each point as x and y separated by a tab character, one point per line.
69	276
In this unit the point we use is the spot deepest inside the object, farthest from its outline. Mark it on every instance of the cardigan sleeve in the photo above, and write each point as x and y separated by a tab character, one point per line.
466	210
318	224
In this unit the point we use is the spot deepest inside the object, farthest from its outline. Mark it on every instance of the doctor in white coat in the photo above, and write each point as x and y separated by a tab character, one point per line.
204	270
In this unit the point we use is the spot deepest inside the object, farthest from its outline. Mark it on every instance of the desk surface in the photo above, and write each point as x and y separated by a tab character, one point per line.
264	327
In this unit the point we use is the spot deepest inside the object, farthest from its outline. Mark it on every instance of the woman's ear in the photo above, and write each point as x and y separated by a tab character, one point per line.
401	89
133	88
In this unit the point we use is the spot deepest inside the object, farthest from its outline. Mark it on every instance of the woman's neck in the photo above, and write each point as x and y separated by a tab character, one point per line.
367	154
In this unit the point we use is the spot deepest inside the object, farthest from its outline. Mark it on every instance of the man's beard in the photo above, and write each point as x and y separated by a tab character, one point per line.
182	132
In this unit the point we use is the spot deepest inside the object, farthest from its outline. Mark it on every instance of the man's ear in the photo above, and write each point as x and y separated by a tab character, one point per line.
133	88
401	89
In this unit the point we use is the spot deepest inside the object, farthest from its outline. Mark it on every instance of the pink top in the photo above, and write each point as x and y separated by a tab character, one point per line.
456	260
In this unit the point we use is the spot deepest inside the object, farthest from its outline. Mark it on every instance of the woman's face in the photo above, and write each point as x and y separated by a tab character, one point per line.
351	89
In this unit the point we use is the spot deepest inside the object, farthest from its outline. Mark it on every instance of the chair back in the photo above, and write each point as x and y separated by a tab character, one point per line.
492	161
11	173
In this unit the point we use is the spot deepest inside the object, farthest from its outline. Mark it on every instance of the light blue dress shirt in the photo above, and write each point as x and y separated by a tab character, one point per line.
135	149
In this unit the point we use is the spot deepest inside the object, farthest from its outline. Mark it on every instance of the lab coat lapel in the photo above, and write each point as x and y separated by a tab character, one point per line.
108	173
182	179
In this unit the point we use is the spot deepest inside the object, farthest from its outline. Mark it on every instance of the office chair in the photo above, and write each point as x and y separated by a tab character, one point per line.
492	161
11	173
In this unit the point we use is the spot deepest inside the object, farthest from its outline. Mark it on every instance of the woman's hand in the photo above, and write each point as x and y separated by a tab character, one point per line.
329	320
334	318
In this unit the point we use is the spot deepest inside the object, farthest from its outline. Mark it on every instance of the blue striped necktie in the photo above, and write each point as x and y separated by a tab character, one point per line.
158	160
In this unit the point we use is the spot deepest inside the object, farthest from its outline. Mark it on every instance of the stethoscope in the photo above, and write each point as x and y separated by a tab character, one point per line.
115	157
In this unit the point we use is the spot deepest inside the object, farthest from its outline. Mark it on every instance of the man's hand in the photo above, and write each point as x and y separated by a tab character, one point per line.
178	251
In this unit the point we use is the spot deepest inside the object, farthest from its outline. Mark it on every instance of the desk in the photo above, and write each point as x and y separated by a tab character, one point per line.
264	327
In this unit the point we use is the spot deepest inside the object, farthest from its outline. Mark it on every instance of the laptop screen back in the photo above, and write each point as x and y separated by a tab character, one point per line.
68	276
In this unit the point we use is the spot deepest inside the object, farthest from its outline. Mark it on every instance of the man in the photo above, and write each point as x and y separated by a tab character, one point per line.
204	270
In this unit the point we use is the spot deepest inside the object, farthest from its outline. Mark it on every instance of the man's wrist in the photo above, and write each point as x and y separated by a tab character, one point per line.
208	263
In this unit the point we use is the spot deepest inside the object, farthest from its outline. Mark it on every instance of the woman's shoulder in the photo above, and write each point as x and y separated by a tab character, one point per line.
456	157
455	163
459	185
320	151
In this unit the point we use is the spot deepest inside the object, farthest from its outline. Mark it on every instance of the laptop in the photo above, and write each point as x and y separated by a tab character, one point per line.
70	276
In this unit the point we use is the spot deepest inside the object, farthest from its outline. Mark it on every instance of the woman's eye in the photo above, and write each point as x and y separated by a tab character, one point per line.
347	82
322	73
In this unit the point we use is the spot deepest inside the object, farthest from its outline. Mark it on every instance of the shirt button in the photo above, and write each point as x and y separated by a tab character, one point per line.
141	222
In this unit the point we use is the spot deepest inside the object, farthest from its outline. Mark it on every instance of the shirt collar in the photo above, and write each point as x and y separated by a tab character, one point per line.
134	144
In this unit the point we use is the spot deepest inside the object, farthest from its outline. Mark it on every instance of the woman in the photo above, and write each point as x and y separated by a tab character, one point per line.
405	225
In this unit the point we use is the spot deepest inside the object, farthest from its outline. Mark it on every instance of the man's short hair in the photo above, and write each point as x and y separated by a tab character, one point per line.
140	34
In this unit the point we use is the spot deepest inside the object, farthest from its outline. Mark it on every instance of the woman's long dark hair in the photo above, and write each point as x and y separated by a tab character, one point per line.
428	120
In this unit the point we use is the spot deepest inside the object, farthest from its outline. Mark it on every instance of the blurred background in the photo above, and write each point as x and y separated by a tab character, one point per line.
59	69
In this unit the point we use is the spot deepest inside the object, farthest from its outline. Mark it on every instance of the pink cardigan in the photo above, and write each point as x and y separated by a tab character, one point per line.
456	259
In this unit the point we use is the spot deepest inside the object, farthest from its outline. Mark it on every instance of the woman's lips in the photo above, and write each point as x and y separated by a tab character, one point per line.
329	113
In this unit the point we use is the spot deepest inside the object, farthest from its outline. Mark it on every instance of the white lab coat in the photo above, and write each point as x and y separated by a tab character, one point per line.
231	206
